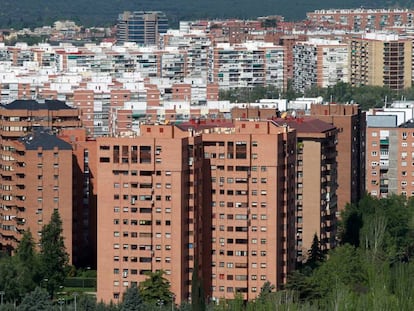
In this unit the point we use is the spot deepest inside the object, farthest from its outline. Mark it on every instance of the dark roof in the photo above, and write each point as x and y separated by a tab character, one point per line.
408	124
305	124
44	139
31	104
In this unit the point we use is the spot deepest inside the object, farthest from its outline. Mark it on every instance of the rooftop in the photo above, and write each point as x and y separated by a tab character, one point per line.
30	104
305	124
43	138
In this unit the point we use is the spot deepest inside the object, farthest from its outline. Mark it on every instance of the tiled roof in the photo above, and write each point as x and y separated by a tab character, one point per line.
408	124
305	124
31	104
44	139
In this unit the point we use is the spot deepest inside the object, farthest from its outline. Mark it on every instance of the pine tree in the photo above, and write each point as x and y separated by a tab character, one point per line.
316	256
37	300
26	261
132	300
53	256
156	289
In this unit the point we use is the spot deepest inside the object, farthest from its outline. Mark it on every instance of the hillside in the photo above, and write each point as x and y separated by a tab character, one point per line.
29	13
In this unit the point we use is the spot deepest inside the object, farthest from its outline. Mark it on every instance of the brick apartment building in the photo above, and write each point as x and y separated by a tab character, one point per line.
363	19
202	193
34	181
351	124
390	156
148	216
38	182
316	183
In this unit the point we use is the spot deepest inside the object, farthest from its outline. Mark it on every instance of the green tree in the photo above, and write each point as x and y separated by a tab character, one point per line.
156	289
345	267
37	300
266	290
132	300
9	283
27	264
53	256
86	303
316	256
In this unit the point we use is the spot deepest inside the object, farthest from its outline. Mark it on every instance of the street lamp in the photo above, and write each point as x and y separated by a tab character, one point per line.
172	302
75	295
61	301
2	294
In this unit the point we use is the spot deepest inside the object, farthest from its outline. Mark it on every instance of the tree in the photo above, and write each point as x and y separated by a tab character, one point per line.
156	289
27	264
266	291
132	300
86	303
316	256
53	256
346	266
37	300
9	279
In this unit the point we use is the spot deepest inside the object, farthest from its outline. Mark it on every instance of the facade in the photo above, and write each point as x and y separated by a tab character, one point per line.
363	19
319	63
247	65
351	124
389	156
197	193
381	60
150	212
316	183
84	185
36	179
253	205
141	27
20	186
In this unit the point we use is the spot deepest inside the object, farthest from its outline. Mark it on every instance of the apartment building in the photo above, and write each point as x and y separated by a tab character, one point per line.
36	179
319	63
381	60
27	199
363	19
196	46
84	185
142	27
197	192
316	183
288	42
253	224
390	156
247	65
150	214
351	124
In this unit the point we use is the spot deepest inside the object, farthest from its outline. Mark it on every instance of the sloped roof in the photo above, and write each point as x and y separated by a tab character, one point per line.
44	139
306	124
31	104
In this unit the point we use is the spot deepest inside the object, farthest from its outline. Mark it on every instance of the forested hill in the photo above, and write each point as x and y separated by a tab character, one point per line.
30	13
